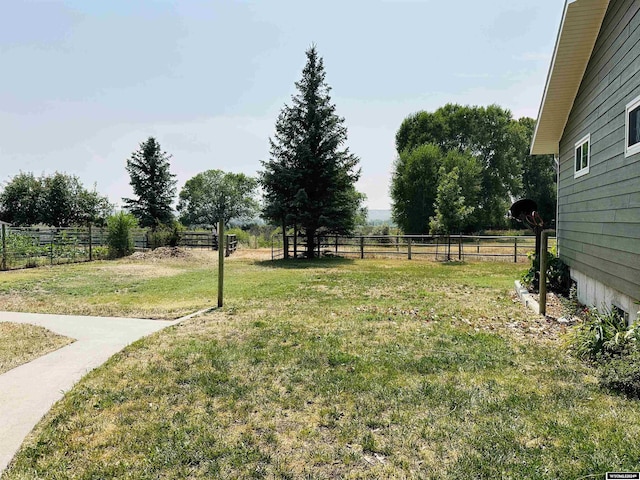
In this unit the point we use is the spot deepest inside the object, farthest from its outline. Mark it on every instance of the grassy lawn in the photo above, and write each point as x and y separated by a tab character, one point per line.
326	369
167	289
21	343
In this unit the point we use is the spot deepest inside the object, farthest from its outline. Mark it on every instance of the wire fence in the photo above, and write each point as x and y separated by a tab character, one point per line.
435	247
27	247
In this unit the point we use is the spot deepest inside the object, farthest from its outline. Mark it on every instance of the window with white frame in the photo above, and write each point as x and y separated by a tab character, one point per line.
583	155
632	125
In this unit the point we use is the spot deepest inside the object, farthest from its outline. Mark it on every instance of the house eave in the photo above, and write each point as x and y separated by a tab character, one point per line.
577	35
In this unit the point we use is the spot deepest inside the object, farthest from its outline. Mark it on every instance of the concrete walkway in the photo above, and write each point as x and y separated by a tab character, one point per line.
27	392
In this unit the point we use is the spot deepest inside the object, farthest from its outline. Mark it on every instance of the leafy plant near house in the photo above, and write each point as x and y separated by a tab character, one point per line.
606	341
601	333
558	279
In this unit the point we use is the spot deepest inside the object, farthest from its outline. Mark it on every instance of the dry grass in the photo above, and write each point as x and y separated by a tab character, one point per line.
343	369
139	286
21	343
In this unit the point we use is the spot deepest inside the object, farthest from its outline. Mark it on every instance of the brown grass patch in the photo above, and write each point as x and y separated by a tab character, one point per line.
20	343
138	270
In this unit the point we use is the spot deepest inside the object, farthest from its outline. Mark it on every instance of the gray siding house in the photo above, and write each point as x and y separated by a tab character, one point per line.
590	119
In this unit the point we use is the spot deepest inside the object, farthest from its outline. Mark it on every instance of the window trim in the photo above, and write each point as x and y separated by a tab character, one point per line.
579	144
630	150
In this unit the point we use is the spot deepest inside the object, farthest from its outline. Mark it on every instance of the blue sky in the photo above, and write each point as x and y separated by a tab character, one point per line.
83	83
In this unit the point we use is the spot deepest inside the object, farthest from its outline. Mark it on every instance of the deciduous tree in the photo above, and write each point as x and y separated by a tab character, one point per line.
59	200
497	142
538	171
214	195
414	187
20	201
451	208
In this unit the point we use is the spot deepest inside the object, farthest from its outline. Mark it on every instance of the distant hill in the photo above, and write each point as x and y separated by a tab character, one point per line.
379	216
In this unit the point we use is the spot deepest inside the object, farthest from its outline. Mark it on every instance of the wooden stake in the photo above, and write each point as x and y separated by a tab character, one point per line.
4	247
544	236
220	262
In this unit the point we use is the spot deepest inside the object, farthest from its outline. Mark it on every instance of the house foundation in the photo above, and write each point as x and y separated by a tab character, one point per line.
593	293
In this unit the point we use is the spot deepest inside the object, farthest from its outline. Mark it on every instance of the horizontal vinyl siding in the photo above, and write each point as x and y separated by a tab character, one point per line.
599	213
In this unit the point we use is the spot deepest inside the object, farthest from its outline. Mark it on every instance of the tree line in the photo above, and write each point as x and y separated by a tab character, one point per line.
308	181
457	169
57	200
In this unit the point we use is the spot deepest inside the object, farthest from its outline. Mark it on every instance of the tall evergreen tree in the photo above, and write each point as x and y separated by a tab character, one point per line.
153	184
309	179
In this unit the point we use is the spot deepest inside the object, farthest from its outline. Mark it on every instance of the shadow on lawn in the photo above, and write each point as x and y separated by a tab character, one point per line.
301	264
454	263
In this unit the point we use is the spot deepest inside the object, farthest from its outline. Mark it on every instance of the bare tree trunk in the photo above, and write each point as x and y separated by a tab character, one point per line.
311	236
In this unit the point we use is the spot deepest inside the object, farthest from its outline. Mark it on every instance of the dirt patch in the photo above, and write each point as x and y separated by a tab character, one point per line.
555	308
251	254
199	255
161	253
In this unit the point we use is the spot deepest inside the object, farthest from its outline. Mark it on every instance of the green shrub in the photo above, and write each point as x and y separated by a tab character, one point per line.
558	278
119	238
165	235
22	246
601	333
383	233
100	252
242	235
608	343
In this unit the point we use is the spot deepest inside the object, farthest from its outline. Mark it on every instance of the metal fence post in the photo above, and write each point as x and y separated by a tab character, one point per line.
361	247
460	247
336	243
409	248
515	249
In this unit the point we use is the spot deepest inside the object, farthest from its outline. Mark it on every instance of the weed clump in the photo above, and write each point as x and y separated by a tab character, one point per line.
606	342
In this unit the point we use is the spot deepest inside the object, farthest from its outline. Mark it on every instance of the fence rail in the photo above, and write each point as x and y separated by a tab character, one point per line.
453	247
26	247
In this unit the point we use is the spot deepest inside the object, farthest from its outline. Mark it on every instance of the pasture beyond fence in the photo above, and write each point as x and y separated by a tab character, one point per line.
24	247
435	247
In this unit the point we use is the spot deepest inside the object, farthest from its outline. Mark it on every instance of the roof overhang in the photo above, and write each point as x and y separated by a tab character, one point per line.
581	22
